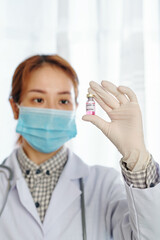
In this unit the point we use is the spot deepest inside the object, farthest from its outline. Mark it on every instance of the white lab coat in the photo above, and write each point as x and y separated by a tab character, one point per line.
107	211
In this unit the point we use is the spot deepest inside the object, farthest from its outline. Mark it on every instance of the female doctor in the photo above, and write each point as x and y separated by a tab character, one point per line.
54	195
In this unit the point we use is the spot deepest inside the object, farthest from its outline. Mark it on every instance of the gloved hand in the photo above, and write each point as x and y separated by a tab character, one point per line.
125	130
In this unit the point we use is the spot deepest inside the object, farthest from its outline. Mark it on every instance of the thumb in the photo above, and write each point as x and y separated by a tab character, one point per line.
98	122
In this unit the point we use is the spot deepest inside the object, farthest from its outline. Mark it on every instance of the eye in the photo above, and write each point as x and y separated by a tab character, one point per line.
64	101
38	100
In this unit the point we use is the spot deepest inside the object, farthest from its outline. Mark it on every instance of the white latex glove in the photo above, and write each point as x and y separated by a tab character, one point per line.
125	130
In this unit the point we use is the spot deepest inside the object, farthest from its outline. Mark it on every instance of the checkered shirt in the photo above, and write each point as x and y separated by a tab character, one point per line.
42	179
146	178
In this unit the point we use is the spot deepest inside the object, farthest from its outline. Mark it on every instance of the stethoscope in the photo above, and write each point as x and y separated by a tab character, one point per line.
10	178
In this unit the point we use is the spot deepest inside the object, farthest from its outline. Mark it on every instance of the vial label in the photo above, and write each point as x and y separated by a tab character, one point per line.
90	108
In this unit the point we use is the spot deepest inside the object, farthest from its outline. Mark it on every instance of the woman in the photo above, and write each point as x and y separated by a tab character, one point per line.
45	200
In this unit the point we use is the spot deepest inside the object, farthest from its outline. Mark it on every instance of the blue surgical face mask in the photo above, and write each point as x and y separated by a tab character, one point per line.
46	130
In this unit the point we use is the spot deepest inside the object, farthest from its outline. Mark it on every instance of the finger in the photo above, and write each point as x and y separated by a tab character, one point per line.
98	122
99	100
110	87
104	95
128	91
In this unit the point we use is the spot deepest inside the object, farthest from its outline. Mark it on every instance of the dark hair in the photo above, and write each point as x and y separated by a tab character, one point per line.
35	62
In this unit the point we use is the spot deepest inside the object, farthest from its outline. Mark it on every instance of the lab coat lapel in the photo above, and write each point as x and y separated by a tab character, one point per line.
65	192
26	199
22	188
63	196
67	189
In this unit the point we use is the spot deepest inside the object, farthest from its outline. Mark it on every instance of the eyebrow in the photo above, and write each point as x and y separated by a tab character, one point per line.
44	92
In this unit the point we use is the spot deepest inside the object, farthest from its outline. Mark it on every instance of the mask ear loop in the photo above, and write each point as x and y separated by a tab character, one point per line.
18	105
18	109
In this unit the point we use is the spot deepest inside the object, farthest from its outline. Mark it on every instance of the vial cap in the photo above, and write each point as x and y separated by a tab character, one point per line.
89	95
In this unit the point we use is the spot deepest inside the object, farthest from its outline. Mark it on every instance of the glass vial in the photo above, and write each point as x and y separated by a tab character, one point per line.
90	105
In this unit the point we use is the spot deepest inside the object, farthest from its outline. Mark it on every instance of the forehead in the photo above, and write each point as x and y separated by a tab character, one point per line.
48	77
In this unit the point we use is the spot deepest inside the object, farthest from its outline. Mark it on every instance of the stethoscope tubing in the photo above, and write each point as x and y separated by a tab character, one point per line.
83	209
9	179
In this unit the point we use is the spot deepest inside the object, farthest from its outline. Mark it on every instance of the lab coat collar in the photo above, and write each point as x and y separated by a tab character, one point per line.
14	165
64	194
75	168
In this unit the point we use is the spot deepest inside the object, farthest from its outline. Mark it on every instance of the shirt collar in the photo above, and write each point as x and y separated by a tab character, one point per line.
49	167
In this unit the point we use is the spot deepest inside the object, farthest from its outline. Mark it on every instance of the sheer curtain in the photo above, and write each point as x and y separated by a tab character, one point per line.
116	40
